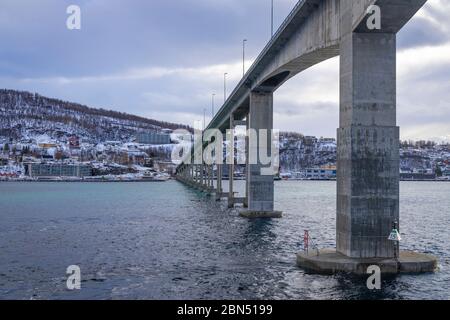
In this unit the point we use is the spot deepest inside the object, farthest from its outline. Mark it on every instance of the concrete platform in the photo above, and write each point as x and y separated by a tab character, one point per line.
260	214
330	262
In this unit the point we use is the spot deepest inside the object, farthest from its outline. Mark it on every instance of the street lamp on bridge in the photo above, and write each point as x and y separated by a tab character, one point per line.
225	87
271	19
243	57
204	119
212	105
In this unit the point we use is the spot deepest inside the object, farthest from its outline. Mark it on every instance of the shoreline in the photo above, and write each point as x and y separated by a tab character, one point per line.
146	181
82	181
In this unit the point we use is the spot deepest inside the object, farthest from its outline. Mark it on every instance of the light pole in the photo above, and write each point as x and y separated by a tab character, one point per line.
243	57
271	19
204	119
225	87
212	106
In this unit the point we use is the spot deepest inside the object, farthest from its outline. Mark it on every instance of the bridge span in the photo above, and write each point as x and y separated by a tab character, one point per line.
368	135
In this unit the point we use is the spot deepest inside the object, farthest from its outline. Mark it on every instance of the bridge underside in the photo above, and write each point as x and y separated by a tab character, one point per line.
368	136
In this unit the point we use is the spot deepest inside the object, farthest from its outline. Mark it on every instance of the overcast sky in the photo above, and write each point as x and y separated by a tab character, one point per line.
163	59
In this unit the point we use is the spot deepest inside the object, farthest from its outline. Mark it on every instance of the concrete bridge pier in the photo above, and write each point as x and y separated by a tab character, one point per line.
201	186
367	158
247	155
207	179
259	183
195	176
190	175
219	175
231	153
209	175
199	177
368	146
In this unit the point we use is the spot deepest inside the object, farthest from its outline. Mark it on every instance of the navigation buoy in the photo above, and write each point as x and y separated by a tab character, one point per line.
395	235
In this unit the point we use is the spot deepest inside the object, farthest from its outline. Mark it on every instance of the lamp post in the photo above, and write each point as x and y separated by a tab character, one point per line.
204	119
212	105
271	19
225	87
243	57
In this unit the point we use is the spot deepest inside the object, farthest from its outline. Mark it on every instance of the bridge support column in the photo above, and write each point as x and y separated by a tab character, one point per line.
209	174
207	180
202	177
205	167
189	168
231	153
198	176
211	170
219	182
194	175
247	155
368	146
260	185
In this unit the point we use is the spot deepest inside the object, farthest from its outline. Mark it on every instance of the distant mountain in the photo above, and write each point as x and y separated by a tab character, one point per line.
24	115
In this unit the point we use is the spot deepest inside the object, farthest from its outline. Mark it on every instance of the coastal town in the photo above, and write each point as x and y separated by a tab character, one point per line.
44	139
44	159
147	157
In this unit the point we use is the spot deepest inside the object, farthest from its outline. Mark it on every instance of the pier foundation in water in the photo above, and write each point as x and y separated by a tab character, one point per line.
330	261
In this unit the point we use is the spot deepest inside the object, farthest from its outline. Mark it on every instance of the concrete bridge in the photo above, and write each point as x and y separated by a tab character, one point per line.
368	135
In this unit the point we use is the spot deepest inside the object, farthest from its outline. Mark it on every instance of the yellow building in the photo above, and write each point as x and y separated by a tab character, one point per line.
47	145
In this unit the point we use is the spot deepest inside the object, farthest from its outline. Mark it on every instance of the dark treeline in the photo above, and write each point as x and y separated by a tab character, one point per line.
421	144
13	98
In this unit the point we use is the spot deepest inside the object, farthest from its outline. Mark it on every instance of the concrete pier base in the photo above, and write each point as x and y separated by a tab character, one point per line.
330	262
260	214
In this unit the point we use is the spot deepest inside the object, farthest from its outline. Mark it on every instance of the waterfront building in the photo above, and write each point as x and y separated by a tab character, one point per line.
323	173
57	170
47	145
417	176
153	138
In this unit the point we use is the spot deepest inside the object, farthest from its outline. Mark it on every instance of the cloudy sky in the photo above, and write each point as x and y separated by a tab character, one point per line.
163	59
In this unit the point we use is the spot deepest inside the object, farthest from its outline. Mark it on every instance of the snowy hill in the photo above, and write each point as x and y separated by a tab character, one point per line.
24	115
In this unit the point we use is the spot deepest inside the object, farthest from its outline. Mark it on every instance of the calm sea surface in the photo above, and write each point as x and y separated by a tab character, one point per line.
166	241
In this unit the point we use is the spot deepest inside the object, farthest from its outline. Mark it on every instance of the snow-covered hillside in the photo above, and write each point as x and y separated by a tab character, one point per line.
25	115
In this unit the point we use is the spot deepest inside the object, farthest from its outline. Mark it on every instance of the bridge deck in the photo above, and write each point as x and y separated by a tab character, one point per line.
238	99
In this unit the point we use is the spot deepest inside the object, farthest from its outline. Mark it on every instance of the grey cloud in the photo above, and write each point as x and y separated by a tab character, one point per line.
120	35
421	32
